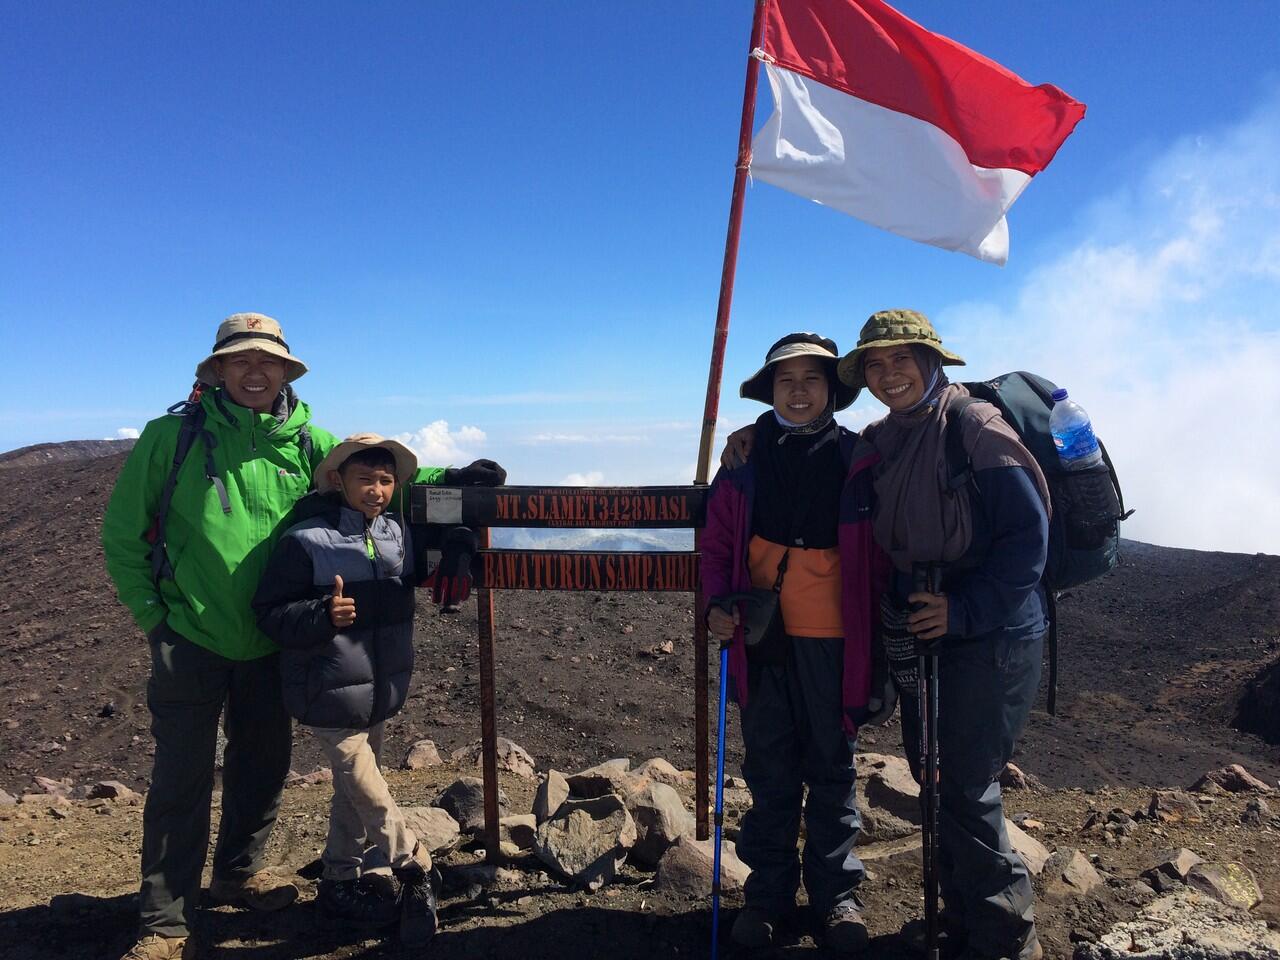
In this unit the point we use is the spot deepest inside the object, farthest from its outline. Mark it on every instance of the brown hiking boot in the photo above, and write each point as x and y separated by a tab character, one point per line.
263	891
156	947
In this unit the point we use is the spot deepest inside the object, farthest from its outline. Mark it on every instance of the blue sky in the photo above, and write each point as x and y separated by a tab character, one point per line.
497	229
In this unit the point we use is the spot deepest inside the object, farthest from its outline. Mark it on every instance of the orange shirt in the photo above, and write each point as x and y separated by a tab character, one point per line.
810	587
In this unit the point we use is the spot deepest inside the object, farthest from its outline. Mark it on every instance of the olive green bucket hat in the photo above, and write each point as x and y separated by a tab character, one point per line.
888	328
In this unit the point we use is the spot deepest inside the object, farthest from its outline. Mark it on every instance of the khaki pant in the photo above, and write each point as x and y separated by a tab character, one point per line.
367	833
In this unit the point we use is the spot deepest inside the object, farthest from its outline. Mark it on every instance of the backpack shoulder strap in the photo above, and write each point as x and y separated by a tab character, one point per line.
959	464
193	416
306	443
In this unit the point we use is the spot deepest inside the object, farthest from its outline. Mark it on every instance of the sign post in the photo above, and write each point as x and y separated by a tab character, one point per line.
579	570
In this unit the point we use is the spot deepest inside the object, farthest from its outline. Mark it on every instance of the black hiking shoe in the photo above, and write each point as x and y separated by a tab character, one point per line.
843	929
757	927
417	905
359	902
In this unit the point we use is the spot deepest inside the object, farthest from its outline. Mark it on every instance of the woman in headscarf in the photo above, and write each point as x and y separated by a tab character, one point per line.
985	524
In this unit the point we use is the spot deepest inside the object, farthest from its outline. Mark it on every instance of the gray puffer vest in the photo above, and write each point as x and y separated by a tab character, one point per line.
355	677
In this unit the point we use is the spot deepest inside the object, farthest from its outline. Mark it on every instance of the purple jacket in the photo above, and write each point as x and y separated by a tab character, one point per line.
864	568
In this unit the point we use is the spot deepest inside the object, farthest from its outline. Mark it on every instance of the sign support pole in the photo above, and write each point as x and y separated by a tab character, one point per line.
488	719
711	410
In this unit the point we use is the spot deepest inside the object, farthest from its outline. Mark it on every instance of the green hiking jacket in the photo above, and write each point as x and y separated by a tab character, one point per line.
217	558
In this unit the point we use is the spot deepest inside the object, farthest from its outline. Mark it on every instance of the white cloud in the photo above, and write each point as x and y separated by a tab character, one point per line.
1162	322
437	445
126	433
592	478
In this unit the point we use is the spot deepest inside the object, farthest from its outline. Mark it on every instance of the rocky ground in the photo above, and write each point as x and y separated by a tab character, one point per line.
1156	659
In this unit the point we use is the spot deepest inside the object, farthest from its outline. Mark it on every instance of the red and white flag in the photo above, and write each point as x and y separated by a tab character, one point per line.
903	128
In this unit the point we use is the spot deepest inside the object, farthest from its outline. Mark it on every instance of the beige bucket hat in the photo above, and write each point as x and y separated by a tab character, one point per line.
406	460
249	331
759	386
888	328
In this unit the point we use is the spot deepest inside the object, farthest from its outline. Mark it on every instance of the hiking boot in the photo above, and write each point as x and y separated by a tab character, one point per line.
360	901
755	927
417	905
262	891
843	929
156	947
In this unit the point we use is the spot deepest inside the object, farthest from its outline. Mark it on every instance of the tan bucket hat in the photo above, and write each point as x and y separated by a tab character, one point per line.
888	328
249	331
406	460
759	386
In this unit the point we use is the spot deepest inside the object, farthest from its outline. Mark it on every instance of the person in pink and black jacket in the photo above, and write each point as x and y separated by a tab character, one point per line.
795	517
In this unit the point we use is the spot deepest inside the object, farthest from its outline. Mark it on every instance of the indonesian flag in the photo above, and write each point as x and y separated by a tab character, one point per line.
903	128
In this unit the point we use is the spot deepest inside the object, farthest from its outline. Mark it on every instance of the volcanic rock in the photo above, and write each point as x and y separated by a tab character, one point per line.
587	840
519	829
1184	926
1014	778
552	792
464	801
1174	806
1233	779
1230	883
888	784
422	754
878	825
687	866
435	828
612	776
1069	873
660	818
660	771
511	756
1033	853
112	790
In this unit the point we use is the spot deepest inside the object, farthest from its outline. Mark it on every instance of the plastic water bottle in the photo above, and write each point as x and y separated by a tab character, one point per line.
1073	434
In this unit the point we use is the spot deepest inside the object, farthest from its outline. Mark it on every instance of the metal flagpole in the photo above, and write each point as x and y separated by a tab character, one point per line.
712	406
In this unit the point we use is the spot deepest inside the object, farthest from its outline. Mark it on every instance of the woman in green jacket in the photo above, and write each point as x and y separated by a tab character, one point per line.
187	571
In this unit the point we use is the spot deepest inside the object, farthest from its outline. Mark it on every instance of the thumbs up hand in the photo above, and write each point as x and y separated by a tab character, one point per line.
342	610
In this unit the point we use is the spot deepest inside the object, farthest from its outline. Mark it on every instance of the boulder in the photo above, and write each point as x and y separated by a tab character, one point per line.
1068	873
1232	884
879	825
55	788
661	818
660	771
1033	853
1184	926
552	792
422	754
112	790
888	784
464	801
1256	813
1233	779
686	868
1172	867
510	756
7	799
1174	806
519	829
1014	778
612	776
587	840
434	827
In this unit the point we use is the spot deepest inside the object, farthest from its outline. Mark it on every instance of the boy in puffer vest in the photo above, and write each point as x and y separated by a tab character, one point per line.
338	597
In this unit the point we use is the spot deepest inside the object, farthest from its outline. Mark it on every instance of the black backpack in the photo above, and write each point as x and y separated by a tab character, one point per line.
1084	530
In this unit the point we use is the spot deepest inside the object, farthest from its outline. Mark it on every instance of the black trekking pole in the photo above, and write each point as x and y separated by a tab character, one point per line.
926	577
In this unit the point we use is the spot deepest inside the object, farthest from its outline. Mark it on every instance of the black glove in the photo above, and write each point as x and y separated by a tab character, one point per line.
451	583
481	473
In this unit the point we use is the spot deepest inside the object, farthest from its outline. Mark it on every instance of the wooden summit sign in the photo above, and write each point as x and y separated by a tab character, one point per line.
586	570
544	507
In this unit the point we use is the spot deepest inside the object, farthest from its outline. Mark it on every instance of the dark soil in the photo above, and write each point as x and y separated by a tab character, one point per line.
1155	660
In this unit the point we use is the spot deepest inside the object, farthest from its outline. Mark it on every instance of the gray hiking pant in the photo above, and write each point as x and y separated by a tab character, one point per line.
793	735
986	687
188	689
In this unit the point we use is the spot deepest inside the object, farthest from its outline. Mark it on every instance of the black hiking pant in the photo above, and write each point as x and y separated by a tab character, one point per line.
187	692
986	687
793	735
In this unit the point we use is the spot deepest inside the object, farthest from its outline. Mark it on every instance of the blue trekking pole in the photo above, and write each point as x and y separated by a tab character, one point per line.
715	866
